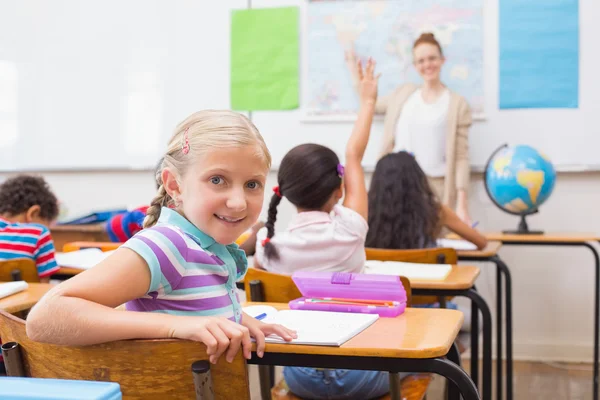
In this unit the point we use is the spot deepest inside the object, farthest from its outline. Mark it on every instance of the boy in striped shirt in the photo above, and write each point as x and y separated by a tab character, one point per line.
27	207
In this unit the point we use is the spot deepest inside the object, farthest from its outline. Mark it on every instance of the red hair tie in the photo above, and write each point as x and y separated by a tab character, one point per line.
276	191
265	241
185	147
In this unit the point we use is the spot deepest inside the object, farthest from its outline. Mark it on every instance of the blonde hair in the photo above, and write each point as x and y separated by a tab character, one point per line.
206	130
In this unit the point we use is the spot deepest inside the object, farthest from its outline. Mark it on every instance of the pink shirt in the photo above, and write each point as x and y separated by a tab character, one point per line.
318	241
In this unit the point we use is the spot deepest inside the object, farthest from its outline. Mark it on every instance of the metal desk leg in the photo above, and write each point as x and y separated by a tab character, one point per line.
454	356
596	316
475	343
487	341
440	366
499	315
509	329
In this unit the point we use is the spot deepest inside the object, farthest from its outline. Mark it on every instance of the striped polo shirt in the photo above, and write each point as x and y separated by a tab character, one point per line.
28	241
191	274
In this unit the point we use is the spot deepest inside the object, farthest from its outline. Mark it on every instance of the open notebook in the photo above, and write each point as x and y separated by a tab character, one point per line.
10	288
430	272
321	328
82	259
456	244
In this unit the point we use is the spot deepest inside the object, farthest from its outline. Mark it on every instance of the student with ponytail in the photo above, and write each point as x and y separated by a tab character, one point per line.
325	235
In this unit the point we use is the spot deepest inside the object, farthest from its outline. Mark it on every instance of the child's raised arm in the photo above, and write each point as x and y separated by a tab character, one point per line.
81	311
354	177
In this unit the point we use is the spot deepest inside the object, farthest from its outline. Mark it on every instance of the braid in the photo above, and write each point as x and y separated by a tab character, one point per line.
270	249
156	204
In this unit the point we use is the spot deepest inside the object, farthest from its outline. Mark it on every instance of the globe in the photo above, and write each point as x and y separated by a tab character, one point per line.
519	180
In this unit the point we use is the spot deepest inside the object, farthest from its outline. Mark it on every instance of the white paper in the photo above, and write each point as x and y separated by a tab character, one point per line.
416	271
82	259
10	288
456	244
321	328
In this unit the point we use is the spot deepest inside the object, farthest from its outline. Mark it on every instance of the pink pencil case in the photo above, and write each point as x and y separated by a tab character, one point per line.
344	285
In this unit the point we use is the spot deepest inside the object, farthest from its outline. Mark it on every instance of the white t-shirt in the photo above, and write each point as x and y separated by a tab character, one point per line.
318	241
422	129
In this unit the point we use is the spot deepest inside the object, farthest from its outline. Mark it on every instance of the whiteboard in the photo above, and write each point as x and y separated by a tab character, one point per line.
102	84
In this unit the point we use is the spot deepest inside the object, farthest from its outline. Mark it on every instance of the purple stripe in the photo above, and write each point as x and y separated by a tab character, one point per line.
194	281
179	305
167	268
201	256
190	255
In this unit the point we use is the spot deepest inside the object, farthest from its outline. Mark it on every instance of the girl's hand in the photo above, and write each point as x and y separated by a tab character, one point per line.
259	330
368	82
219	334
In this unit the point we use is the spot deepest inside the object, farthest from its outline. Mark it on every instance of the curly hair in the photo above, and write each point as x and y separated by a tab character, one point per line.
307	177
404	213
22	192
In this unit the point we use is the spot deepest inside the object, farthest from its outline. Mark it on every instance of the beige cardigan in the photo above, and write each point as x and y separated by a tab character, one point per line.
457	138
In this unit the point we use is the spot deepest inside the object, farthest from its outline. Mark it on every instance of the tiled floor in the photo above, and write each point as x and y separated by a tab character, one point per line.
532	381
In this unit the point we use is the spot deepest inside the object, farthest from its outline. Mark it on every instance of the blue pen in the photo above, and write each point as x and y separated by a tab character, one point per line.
475	224
261	316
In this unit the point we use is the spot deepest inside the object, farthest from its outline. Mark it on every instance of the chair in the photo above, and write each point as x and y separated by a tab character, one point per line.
104	246
145	369
422	256
19	269
263	286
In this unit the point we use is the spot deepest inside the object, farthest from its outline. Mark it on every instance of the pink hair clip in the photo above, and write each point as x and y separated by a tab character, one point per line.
340	170
185	148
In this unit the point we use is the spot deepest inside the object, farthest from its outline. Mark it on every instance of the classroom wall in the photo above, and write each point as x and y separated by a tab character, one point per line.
553	288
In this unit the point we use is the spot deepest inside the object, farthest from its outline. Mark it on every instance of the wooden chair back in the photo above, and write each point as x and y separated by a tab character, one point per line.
264	286
25	266
104	246
145	369
423	256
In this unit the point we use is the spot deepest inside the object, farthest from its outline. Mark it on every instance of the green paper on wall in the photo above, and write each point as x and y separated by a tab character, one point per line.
265	59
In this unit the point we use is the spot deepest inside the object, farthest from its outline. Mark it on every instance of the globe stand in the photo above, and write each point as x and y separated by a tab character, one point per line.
523	229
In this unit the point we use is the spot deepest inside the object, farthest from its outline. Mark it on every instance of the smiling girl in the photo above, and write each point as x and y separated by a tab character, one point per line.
177	276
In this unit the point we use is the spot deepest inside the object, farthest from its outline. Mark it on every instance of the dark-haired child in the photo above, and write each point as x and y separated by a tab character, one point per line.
27	208
325	236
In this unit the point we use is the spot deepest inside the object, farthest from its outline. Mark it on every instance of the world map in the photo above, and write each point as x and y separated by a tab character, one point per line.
385	31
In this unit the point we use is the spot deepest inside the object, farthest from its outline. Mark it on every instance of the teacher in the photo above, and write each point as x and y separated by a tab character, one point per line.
431	122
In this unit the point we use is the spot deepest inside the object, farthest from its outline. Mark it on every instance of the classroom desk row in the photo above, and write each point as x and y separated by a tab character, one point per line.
419	340
460	282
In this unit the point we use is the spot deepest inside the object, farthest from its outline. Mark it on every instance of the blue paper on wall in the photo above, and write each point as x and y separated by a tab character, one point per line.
539	54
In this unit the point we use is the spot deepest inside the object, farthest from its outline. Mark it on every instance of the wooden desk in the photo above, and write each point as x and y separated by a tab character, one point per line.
490	250
550	238
68	271
63	234
26	299
415	341
571	239
461	277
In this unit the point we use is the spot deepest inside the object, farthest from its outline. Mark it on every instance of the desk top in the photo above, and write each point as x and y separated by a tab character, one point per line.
92	228
460	278
70	271
417	333
550	237
490	250
25	299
